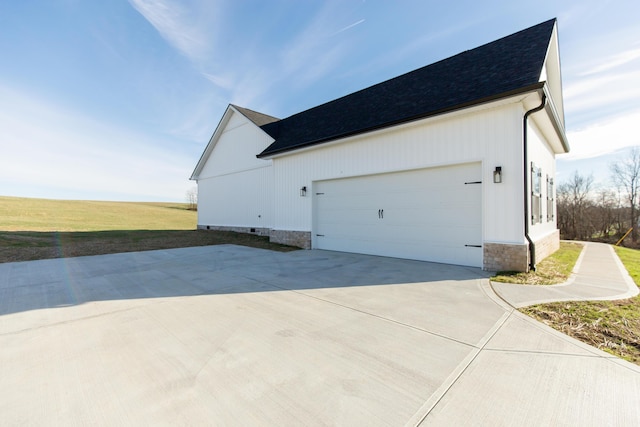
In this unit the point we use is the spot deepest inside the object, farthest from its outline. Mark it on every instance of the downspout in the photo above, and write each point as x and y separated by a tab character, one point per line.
527	174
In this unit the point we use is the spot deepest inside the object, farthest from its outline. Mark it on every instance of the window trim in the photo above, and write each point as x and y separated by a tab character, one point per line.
536	194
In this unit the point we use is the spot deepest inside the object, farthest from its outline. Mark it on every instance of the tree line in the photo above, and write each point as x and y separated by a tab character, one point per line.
590	212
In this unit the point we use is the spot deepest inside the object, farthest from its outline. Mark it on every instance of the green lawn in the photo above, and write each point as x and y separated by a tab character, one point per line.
554	269
613	326
631	260
32	229
23	214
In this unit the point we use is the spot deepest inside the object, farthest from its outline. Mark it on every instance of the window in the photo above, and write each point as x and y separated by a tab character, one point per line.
536	193
550	213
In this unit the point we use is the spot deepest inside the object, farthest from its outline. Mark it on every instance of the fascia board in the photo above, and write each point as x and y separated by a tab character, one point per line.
554	42
551	110
213	141
504	98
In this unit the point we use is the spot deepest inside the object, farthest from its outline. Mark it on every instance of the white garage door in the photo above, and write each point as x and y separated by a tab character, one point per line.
430	214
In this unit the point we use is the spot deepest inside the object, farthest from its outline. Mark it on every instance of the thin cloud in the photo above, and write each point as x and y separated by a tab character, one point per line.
410	49
70	152
615	61
348	27
177	24
605	137
599	96
313	52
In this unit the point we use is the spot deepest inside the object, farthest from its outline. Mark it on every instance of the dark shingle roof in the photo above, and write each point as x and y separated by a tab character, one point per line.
495	69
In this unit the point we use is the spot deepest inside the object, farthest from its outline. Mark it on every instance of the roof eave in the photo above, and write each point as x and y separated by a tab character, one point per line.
555	119
531	88
212	142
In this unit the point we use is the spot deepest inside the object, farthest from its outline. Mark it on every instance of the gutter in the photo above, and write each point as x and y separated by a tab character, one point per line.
527	175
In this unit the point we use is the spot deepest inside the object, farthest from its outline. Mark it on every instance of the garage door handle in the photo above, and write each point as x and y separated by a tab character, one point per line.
473	246
380	213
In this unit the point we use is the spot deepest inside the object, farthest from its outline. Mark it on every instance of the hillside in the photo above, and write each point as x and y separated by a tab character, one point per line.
24	214
33	229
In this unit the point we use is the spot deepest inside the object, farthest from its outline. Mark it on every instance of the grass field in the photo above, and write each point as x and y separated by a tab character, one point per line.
21	214
33	229
554	269
613	326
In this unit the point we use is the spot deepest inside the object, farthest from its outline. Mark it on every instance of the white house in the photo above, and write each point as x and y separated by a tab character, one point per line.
453	162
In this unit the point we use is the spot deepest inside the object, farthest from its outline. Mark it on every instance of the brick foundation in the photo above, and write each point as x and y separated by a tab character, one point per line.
301	239
547	245
503	257
506	257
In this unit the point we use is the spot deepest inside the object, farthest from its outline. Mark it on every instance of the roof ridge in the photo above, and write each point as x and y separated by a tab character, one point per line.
510	63
423	67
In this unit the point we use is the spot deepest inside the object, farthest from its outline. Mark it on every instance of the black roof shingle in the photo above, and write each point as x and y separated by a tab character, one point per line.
504	66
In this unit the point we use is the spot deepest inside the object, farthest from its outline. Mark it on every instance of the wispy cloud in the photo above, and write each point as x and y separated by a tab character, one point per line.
180	25
614	61
348	27
598	85
248	70
604	137
611	87
414	48
69	153
314	51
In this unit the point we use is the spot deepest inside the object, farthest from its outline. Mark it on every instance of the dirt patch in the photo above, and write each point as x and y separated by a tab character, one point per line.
28	246
612	326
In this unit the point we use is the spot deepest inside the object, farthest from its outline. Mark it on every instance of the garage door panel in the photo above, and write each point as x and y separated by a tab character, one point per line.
430	214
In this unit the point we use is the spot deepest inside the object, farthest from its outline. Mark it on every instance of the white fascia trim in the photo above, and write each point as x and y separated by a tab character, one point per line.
555	119
216	136
212	142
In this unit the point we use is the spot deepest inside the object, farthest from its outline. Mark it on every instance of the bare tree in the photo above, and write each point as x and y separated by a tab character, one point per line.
626	174
573	203
604	210
192	199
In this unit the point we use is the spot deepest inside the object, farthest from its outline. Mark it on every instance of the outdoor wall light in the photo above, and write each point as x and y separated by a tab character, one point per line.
497	175
303	191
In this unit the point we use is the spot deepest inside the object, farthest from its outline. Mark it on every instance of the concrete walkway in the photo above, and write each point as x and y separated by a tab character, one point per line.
235	336
598	275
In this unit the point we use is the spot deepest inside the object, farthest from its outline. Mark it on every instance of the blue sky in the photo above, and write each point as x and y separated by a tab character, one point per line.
116	100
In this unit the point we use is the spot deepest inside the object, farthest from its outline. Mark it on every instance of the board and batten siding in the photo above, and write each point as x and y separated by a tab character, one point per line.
543	157
491	135
235	189
242	199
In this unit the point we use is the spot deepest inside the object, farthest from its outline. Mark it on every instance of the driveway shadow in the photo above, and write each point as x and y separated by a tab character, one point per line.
206	270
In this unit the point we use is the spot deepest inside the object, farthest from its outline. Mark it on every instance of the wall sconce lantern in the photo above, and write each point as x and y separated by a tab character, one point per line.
497	175
303	191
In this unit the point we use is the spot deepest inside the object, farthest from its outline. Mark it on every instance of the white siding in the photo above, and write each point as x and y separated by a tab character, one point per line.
234	187
542	155
236	148
242	199
490	136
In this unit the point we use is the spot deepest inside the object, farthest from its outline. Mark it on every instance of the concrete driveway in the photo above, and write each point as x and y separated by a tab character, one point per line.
228	335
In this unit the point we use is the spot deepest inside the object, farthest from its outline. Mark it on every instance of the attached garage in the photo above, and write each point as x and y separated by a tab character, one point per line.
432	214
432	165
